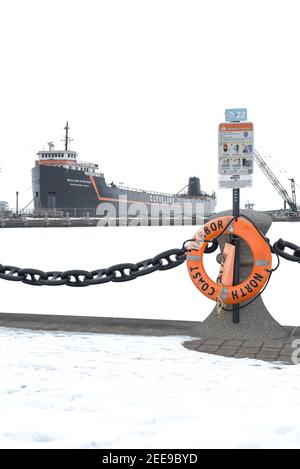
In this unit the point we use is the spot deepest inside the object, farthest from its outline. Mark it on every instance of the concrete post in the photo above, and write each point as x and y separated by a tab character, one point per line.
256	323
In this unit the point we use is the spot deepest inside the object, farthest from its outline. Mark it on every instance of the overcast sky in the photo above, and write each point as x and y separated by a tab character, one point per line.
144	85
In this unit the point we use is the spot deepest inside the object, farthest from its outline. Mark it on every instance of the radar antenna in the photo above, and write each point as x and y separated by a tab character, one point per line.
67	139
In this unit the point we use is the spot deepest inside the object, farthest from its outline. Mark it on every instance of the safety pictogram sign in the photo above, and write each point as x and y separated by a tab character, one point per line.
236	147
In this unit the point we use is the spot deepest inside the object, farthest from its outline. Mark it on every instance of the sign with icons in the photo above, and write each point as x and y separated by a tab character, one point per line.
236	147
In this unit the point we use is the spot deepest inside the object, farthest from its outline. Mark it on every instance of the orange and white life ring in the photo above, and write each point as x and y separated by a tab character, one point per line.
262	261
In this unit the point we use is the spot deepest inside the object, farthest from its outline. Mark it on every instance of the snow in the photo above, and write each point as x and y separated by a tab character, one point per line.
165	295
69	390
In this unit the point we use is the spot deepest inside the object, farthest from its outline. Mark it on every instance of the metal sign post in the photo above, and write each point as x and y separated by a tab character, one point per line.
235	171
236	243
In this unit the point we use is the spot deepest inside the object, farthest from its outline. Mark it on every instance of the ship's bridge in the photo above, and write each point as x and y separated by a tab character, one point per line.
60	157
66	159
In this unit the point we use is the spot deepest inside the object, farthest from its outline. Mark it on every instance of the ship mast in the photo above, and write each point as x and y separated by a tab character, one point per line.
67	139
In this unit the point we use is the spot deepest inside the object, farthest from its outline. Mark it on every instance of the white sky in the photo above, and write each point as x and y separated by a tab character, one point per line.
144	85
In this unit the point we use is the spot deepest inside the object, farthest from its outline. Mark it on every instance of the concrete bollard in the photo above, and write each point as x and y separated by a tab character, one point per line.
256	323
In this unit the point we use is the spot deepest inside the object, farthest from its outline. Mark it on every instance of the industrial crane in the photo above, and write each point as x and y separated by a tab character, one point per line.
291	201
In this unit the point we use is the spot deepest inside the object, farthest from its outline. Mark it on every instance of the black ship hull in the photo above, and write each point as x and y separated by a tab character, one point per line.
59	189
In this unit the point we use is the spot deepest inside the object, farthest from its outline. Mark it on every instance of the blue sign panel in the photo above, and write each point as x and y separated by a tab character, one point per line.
236	115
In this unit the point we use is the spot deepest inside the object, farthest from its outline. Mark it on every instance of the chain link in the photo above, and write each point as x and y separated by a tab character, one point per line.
99	276
76	278
122	272
53	278
9	272
32	276
83	278
279	248
165	260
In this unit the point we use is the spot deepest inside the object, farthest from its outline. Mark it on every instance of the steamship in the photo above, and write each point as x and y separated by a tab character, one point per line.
61	183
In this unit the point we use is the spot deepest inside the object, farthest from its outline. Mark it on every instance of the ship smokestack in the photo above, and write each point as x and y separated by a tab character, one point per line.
194	187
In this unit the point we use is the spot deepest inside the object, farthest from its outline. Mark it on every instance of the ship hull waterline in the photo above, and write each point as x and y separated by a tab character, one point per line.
61	191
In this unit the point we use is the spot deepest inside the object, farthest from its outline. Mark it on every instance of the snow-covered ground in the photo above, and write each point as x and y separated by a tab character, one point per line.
167	295
66	390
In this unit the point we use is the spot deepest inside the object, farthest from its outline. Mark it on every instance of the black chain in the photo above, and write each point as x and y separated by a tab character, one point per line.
82	278
279	248
124	272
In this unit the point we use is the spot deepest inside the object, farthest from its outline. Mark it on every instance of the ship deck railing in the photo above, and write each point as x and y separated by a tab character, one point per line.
82	166
164	194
